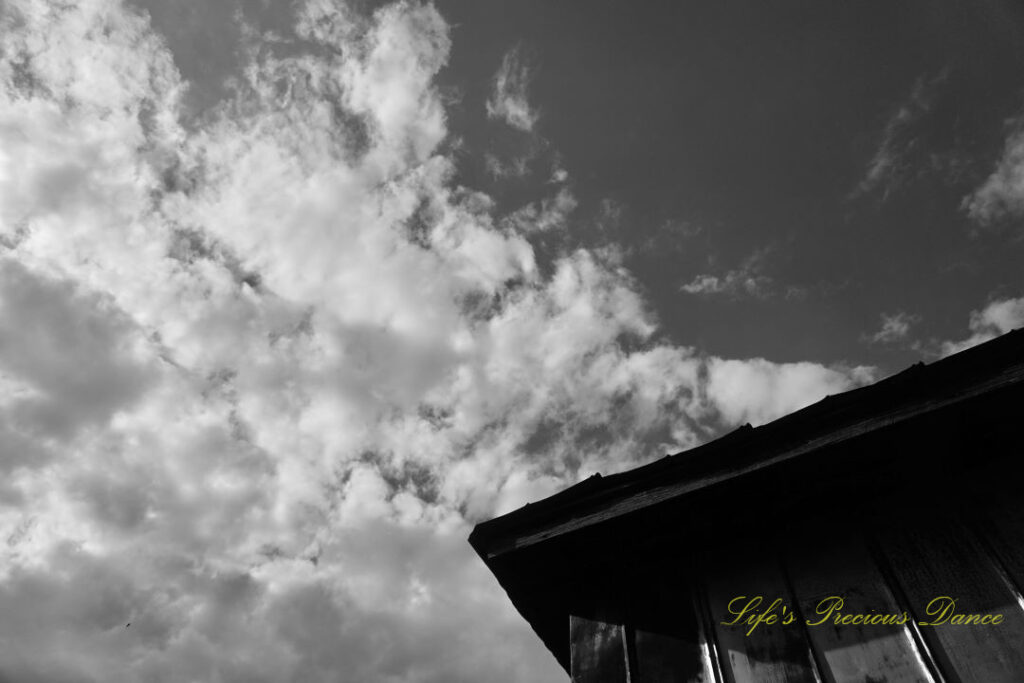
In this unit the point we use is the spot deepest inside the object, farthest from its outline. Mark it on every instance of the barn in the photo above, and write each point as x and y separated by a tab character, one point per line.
877	535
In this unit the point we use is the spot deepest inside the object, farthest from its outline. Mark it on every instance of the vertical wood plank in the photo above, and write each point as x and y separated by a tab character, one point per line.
1003	527
933	558
702	609
852	653
668	640
772	653
597	651
661	658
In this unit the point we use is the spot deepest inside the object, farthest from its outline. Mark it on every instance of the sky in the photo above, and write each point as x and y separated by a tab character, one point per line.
293	294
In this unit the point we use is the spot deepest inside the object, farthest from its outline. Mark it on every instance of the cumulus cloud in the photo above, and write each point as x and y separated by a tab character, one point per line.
997	318
262	369
508	101
758	391
1002	194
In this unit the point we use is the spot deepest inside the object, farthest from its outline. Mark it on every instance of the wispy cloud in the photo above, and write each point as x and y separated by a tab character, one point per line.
544	215
261	370
517	167
733	282
895	327
747	280
508	101
897	155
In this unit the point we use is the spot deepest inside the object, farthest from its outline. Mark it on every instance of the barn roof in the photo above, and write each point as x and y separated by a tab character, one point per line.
534	551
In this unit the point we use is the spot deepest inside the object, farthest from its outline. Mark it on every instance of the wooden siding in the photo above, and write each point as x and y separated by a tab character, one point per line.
771	653
877	568
853	653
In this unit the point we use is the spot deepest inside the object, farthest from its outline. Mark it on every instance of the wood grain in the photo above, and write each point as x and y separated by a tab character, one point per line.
771	653
598	653
852	653
661	658
1003	528
940	557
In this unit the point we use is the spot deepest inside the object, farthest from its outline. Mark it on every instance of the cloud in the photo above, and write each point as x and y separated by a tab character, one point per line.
901	151
758	391
894	328
263	366
76	360
517	167
1002	194
543	215
748	280
998	317
508	101
733	282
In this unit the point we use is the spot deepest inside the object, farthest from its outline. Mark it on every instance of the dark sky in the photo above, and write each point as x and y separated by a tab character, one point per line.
739	132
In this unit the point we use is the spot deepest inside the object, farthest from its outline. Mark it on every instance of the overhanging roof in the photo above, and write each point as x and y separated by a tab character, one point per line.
518	546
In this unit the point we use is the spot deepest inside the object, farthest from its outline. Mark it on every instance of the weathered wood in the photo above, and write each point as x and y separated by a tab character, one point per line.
702	609
770	653
664	623
663	658
598	653
1002	525
852	653
940	557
